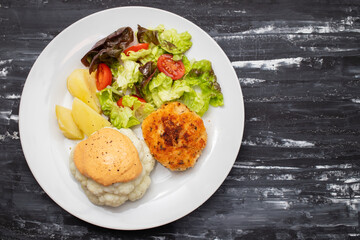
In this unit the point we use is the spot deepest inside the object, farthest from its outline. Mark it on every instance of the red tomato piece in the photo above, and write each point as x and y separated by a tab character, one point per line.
171	68
136	48
103	76
119	102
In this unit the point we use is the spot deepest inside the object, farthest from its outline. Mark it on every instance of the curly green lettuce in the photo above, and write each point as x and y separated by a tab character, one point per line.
197	90
126	75
174	42
163	89
205	88
132	114
135	56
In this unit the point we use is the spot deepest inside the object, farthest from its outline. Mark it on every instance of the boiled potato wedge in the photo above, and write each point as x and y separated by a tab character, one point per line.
67	124
86	118
82	86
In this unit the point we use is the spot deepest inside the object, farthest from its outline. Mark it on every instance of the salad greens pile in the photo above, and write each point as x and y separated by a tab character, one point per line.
136	75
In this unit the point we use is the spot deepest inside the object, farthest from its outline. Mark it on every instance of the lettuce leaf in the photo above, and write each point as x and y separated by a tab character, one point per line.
163	89
187	64
133	112
156	52
123	117
148	70
145	35
205	88
108	49
134	56
174	42
197	90
126	75
107	100
140	109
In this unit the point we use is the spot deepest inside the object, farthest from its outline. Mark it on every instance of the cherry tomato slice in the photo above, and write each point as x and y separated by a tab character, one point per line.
136	48
171	68
103	76
119	102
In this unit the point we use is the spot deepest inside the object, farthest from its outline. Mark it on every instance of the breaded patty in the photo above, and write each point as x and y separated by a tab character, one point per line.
175	136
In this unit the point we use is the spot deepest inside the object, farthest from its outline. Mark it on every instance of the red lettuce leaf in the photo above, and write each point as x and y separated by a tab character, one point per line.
145	35
108	49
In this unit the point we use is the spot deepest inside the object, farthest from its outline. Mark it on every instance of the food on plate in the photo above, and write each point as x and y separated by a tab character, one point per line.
150	65
82	85
67	124
103	76
86	118
175	136
112	166
108	48
107	157
120	104
136	48
170	67
126	111
133	78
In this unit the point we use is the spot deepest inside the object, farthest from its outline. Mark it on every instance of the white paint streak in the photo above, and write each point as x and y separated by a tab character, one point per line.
278	192
352	204
5	114
272	64
341	166
310	28
355	186
344	25
328	49
12	96
3	62
261	30
352	180
248	143
322	177
14	118
355	100
316	29
4	72
338	188
281	177
305	30
264	167
278	204
349	20
254	119
14	135
283	143
238	179
293	143
229	37
240	11
250	81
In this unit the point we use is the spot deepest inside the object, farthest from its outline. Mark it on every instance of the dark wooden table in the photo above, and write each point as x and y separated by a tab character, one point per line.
297	173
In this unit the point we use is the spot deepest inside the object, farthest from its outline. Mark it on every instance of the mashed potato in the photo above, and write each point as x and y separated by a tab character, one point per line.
118	193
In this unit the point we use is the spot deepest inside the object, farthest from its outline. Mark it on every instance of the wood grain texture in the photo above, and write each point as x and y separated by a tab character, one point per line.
297	175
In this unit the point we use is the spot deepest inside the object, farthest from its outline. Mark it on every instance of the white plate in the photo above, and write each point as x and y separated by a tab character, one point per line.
171	195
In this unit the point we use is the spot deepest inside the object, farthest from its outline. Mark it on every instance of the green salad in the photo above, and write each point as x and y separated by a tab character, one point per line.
137	73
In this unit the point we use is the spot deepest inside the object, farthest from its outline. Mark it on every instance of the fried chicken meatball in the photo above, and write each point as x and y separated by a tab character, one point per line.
175	136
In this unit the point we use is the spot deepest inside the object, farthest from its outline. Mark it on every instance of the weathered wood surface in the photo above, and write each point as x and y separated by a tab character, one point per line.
297	173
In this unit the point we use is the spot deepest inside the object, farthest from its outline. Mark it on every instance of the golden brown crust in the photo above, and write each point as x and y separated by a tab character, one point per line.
175	136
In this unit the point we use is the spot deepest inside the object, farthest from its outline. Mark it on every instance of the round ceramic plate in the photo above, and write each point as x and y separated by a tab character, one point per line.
171	195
